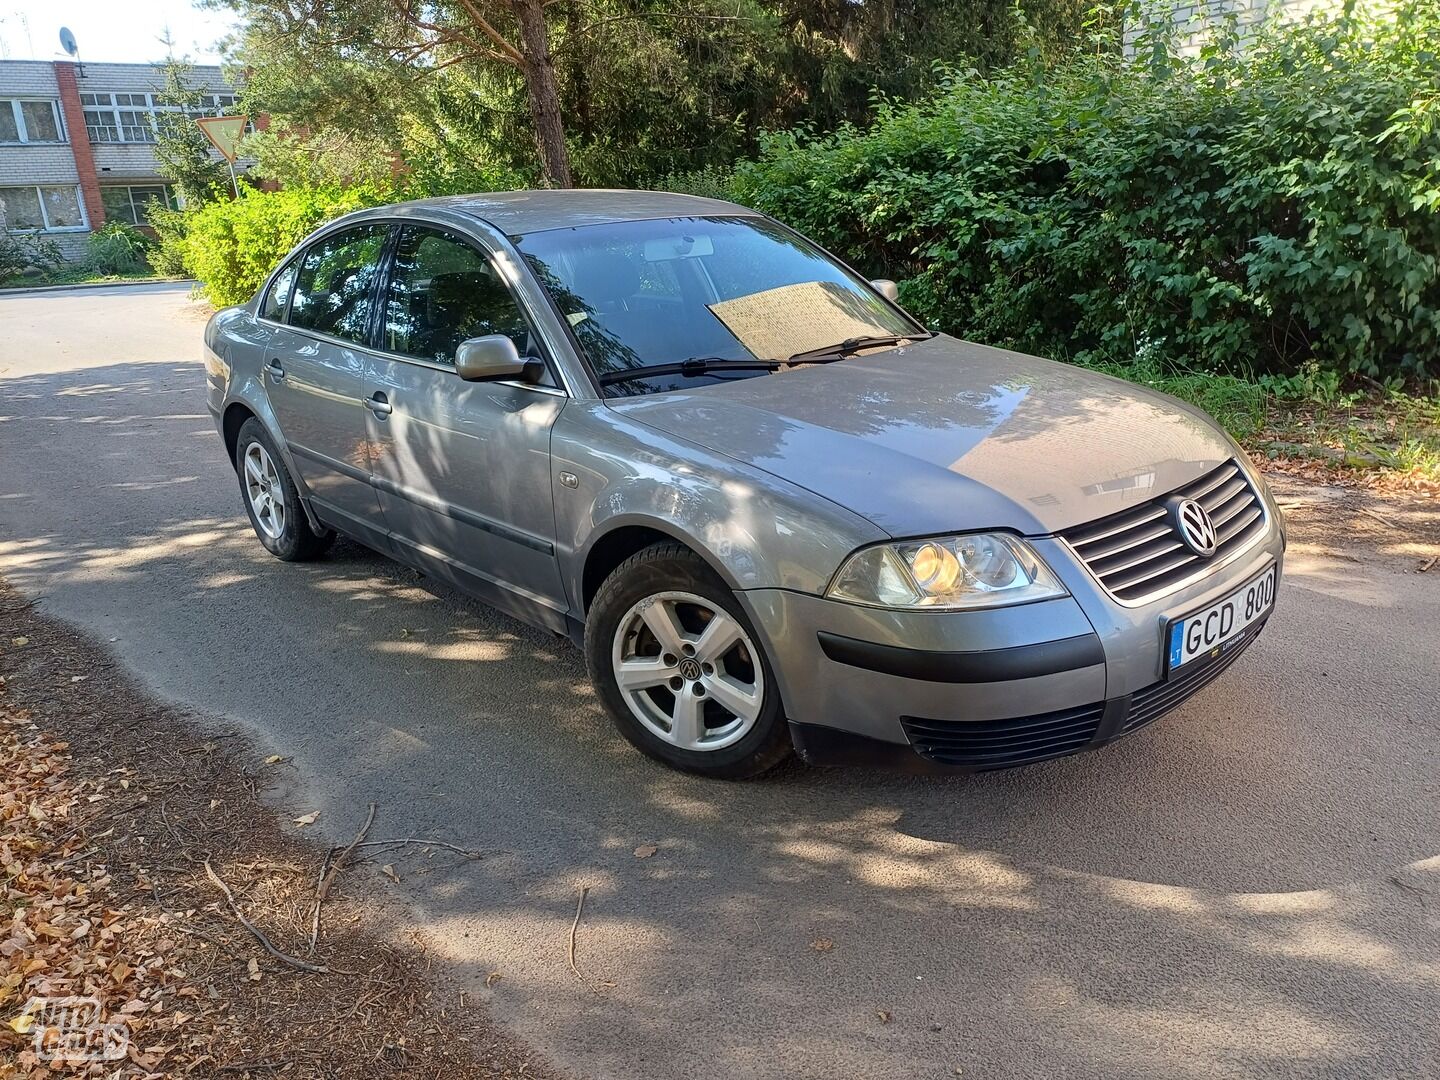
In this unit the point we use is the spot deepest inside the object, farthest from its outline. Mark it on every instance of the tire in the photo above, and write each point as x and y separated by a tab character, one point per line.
279	523
712	725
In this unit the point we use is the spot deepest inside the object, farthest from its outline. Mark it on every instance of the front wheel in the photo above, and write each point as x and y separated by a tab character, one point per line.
678	666
272	500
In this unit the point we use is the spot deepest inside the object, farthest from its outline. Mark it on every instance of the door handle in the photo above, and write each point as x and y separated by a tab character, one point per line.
379	404
274	370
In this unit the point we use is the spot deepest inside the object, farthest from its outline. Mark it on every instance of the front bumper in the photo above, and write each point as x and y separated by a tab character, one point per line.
990	689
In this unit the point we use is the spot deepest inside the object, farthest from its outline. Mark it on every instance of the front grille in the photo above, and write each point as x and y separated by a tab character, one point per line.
1138	553
1150	703
998	744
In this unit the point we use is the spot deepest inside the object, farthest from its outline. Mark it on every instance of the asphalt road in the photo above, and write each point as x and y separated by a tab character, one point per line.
1251	887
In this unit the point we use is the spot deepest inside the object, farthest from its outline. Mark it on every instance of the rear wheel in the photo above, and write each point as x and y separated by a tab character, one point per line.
679	667
272	500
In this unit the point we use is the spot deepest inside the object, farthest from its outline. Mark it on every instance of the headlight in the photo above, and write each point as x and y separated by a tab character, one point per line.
977	570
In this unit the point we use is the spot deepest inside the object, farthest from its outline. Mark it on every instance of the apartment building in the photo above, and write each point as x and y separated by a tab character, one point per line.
77	144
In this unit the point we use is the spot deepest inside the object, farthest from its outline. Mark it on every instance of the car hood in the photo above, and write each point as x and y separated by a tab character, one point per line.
945	435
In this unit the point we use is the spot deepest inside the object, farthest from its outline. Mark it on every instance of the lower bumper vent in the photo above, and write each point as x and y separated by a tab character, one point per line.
999	744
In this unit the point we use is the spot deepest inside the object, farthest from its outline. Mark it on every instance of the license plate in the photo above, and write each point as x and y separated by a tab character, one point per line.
1205	632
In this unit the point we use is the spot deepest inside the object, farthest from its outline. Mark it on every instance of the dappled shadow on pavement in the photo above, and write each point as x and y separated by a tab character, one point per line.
1250	887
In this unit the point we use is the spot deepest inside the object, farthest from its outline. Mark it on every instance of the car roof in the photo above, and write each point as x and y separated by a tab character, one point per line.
518	212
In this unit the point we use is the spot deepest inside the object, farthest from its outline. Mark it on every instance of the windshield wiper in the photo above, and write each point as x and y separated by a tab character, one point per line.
695	365
854	344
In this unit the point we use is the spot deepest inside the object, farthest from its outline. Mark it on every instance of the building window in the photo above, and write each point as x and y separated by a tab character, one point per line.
41	208
25	120
130	118
130	203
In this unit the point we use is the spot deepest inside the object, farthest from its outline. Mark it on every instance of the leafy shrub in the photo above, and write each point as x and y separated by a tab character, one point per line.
1249	209
25	252
117	247
711	182
231	245
167	254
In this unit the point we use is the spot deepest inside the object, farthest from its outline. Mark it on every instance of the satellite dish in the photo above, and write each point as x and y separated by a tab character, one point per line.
67	41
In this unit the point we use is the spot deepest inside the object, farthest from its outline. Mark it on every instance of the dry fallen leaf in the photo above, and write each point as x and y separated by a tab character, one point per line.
275	759
884	1015
22	1024
307	819
21	641
822	944
644	851
254	968
389	871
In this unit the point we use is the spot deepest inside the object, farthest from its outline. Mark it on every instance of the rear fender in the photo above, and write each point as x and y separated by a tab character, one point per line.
250	394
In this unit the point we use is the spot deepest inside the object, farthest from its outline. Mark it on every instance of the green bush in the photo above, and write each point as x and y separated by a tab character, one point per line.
117	247
22	253
1246	210
711	182
167	254
231	245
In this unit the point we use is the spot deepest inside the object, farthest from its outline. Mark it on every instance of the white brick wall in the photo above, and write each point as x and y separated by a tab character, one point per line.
117	161
23	78
1195	19
145	79
43	164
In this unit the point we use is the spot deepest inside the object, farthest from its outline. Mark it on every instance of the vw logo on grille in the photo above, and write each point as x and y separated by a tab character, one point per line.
1196	528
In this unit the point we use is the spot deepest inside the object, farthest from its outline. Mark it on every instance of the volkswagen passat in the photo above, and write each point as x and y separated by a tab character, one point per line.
776	510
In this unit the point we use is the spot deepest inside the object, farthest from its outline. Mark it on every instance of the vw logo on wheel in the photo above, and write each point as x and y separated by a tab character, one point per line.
1196	527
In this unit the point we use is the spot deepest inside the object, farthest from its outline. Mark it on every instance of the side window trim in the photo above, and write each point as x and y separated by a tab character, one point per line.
375	338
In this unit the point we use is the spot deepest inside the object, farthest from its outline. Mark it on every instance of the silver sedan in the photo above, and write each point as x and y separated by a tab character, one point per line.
777	512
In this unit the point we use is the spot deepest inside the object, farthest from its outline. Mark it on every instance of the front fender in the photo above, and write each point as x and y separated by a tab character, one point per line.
755	530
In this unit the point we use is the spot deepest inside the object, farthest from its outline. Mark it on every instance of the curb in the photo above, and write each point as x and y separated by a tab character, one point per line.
12	290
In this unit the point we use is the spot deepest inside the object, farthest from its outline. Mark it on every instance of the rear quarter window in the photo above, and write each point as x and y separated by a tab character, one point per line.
277	297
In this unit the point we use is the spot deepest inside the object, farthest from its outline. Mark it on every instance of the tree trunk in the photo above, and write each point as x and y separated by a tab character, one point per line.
539	72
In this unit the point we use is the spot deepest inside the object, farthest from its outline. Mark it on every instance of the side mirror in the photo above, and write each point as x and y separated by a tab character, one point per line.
886	288
494	356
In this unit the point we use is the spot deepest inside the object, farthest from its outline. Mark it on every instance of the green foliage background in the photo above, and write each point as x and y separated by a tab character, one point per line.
1271	208
231	245
1247	210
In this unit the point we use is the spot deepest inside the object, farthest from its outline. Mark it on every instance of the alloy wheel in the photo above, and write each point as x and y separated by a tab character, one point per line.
265	490
688	671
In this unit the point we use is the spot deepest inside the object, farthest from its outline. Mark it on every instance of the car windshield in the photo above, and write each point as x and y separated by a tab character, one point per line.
710	290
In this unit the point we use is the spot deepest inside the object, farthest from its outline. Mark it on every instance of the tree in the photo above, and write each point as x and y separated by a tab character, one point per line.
180	146
607	92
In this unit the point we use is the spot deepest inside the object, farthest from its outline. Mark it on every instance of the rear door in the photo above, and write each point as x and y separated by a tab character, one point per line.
463	469
314	370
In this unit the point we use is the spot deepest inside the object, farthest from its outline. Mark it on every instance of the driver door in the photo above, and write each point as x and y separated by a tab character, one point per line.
462	469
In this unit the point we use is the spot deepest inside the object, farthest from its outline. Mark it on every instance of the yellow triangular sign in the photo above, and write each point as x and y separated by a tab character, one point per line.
225	132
